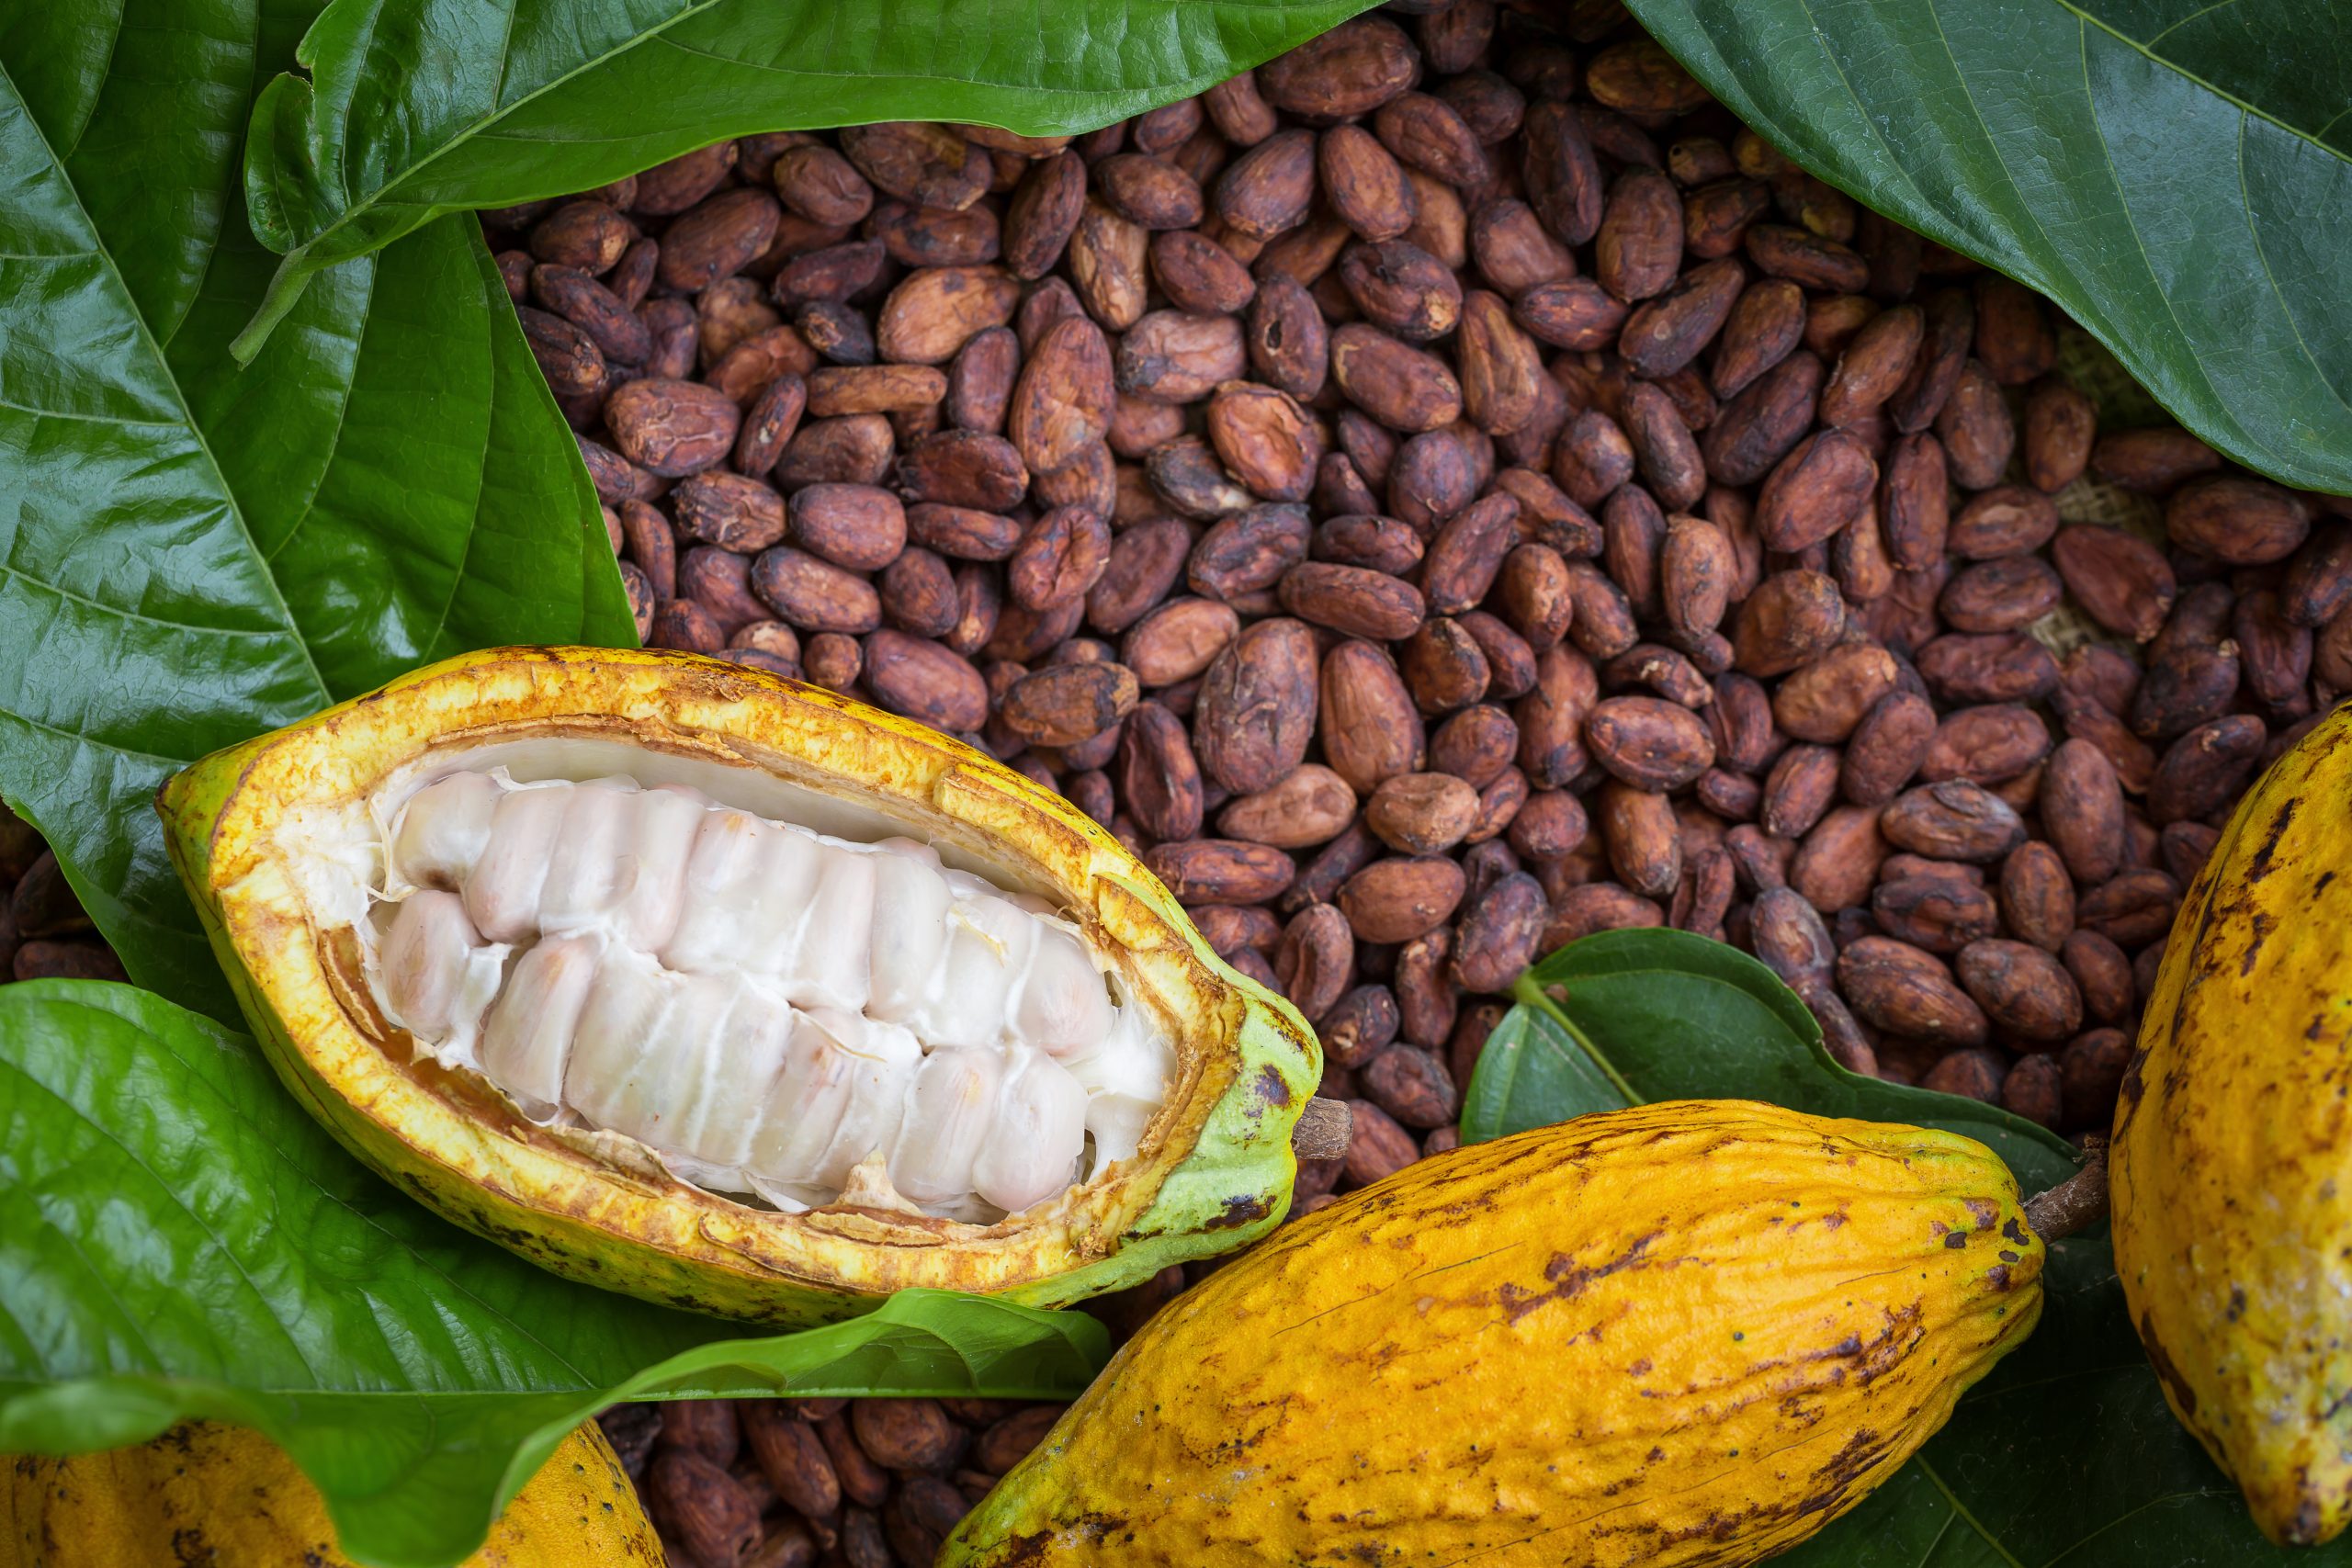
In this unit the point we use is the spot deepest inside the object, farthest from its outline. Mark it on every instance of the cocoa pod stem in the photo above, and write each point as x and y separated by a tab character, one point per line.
1322	1130
2073	1204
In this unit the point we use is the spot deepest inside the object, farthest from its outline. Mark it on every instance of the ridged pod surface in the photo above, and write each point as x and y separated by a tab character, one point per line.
1693	1332
2233	1152
205	1492
1213	1170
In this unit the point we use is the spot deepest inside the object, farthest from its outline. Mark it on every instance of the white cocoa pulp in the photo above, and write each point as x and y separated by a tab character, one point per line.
765	1006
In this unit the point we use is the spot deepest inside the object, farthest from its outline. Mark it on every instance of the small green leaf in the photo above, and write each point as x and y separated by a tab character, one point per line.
190	554
412	110
2066	1456
2176	175
178	1239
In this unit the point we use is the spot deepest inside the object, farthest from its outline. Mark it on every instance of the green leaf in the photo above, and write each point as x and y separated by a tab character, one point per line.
177	1240
417	107
2066	1453
1625	1017
2178	176
190	553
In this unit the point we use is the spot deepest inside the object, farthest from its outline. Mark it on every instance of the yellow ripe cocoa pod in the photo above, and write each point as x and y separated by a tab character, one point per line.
2232	1161
686	980
1692	1332
205	1493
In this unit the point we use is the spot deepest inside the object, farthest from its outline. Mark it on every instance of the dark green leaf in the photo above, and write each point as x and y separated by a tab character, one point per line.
414	110
195	553
2066	1454
177	1238
2177	175
1630	1016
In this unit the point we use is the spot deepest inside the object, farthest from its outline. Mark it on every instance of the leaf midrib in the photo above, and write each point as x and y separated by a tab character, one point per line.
457	1287
2148	52
473	128
101	249
383	195
1960	1511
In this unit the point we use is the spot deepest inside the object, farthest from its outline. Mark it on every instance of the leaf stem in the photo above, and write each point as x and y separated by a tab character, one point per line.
2075	1203
286	290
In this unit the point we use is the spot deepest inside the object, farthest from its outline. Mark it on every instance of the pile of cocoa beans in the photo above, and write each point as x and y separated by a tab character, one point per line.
1447	491
787	1482
45	935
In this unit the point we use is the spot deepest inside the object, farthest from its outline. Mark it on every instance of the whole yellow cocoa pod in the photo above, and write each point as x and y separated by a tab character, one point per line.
2233	1151
1692	1332
205	1493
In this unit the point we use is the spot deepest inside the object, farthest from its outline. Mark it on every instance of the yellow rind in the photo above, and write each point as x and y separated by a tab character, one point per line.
1688	1333
1218	1174
209	1494
2231	1165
